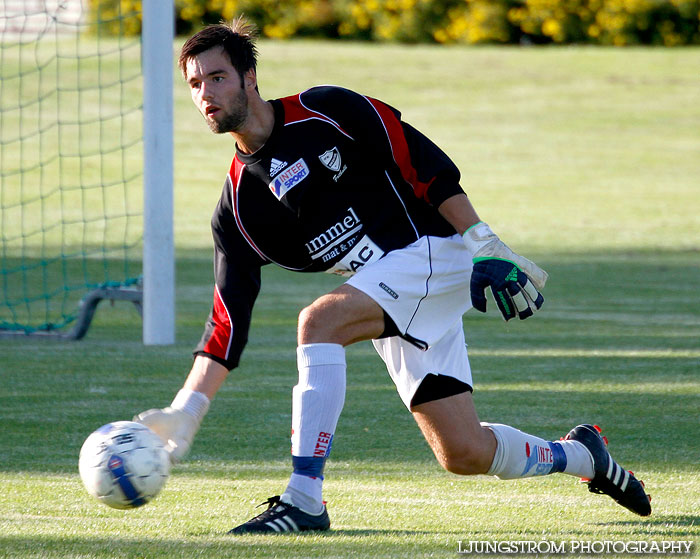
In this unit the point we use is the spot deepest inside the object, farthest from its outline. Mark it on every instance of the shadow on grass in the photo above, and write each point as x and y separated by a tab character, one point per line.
665	525
334	544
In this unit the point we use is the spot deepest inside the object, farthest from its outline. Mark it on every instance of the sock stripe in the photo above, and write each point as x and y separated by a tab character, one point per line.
559	461
309	466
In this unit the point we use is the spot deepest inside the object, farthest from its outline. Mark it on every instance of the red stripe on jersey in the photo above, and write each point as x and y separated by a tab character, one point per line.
399	148
295	111
234	175
219	343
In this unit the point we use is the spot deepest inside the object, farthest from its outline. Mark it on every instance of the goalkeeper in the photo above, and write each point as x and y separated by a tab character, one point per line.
329	180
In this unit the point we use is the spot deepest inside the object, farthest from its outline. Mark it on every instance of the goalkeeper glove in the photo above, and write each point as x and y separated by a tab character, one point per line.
177	424
514	281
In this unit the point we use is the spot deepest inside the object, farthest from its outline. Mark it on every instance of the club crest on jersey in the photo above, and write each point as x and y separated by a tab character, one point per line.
289	178
331	159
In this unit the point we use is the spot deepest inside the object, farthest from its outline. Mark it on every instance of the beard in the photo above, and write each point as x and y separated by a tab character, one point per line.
231	121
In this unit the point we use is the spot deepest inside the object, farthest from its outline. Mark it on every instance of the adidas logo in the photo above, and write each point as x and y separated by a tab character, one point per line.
276	166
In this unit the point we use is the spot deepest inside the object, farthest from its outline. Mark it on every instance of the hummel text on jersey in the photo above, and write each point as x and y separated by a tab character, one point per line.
348	226
289	178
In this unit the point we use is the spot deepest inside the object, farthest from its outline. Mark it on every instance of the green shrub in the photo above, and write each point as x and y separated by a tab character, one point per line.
115	17
477	21
607	22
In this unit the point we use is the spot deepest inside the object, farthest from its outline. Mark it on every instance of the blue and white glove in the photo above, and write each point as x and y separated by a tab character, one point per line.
515	281
177	424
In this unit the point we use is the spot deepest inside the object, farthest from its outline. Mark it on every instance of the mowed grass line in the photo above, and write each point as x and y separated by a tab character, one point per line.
387	495
410	519
561	171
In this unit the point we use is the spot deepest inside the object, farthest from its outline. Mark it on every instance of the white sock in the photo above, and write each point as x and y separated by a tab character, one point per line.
579	461
520	455
317	401
305	492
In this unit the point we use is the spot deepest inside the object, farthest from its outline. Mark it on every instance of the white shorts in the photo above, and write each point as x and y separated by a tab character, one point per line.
424	288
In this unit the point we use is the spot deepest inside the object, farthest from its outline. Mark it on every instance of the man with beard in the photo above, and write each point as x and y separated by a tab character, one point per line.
329	180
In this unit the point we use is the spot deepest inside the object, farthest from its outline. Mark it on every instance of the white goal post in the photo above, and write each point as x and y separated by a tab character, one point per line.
158	244
86	165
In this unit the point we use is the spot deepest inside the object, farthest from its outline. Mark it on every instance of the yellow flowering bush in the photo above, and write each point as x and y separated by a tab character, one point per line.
476	21
392	20
662	22
608	22
554	21
115	17
612	22
277	20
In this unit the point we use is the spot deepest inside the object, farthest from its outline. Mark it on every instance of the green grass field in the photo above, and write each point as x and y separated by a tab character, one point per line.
586	160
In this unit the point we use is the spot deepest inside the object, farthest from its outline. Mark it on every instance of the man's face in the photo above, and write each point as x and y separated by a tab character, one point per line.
217	90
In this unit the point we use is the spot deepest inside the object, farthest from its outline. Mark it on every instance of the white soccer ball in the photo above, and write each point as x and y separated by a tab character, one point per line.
124	464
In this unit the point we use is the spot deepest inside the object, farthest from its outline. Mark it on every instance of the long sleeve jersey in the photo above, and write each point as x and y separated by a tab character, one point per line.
340	182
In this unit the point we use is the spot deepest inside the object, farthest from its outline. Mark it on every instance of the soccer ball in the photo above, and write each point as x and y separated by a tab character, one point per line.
124	464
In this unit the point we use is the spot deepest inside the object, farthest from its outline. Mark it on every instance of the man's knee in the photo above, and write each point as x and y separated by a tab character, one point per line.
311	323
324	321
453	431
465	460
343	316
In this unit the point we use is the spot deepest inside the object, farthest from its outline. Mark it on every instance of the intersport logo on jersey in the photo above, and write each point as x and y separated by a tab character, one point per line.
289	178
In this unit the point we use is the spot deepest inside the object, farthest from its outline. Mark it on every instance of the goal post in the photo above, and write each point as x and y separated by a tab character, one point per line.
158	245
86	165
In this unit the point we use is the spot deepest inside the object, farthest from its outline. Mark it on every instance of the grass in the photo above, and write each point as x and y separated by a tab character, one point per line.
597	146
584	159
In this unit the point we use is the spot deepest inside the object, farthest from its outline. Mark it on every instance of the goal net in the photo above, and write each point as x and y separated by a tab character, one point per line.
71	162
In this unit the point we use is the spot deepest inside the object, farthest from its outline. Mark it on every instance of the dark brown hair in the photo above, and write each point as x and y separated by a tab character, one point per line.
237	38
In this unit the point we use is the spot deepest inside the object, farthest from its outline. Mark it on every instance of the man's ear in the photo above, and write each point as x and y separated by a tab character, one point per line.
250	79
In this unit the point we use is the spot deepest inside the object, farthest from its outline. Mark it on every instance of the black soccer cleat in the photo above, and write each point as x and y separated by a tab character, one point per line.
610	478
283	517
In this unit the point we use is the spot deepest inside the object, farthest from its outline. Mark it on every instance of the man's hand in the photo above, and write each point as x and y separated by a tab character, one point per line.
177	424
175	427
514	281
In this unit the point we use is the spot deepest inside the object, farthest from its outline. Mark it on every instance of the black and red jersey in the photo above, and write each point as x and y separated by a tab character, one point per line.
341	181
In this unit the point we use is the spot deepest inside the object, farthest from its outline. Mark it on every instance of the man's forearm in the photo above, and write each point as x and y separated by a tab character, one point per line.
206	376
178	423
459	212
